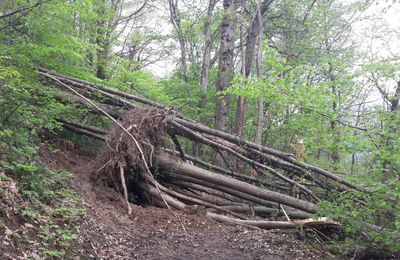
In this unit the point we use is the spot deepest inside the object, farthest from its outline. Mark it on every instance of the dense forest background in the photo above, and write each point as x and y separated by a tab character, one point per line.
325	72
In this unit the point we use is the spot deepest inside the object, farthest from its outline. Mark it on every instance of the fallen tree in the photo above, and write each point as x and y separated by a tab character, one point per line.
138	149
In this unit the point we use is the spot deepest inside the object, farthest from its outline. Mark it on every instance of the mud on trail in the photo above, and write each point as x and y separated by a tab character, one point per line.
153	233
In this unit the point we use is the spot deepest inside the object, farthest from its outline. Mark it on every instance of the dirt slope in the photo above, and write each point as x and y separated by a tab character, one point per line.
153	233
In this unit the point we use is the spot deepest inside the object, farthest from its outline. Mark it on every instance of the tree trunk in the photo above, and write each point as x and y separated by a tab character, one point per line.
203	133
260	121
261	210
333	123
101	41
241	100
241	103
223	102
225	65
260	103
274	224
205	69
176	22
166	164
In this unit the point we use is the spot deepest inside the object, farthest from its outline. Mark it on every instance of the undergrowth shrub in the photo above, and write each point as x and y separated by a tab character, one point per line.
371	217
36	208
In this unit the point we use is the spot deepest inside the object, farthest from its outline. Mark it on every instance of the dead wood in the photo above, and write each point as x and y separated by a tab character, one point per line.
85	127
67	98
118	95
169	165
200	202
162	197
84	83
135	148
209	166
84	131
123	183
275	224
242	196
265	211
193	135
247	144
227	199
213	199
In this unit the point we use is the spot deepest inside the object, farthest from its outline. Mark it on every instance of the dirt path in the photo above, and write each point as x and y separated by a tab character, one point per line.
153	233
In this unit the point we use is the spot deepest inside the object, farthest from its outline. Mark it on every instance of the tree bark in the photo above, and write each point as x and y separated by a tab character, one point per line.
241	103
260	103
273	224
225	66
241	100
166	164
205	67
261	210
284	156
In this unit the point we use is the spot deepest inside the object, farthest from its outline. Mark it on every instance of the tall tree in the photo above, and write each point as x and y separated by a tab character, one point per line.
205	67
110	26
223	103
260	103
254	33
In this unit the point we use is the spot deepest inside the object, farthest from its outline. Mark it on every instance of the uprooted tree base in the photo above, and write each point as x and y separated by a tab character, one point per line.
144	158
148	128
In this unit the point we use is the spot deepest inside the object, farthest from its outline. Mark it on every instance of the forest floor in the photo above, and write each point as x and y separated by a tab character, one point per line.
153	233
106	231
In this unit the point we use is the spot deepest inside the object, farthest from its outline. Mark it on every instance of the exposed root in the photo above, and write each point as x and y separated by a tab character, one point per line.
123	183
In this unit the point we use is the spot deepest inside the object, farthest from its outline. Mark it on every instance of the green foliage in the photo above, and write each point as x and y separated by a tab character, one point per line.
137	82
360	211
49	202
27	109
38	183
33	39
52	253
25	106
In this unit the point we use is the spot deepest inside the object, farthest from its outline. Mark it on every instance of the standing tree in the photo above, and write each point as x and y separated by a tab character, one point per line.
223	103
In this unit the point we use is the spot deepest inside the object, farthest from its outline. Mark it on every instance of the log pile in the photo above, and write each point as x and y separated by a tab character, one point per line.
145	154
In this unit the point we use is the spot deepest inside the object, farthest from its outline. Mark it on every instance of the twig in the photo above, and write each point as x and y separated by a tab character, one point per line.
284	212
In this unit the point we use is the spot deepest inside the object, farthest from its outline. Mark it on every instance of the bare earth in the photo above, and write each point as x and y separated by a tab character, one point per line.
153	233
